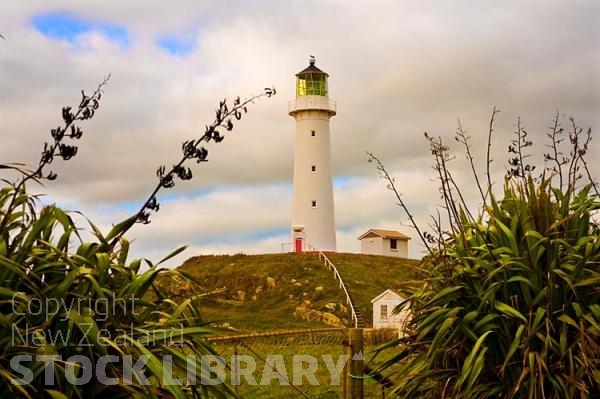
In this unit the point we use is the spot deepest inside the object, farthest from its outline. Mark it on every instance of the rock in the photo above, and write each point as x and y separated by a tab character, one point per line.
226	325
258	289
305	313
254	298
298	284
271	282
331	319
301	313
306	302
319	288
241	295
293	281
331	306
337	308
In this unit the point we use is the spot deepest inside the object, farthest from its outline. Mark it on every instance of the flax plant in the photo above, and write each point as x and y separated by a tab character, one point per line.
63	298
509	306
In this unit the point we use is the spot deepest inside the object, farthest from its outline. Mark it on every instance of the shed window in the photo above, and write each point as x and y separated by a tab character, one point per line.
313	168
313	133
313	203
383	312
393	244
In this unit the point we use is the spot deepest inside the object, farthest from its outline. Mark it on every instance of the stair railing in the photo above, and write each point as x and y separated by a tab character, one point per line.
336	275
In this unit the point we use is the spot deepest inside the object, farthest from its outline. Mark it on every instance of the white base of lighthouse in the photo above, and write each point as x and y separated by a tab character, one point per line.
313	220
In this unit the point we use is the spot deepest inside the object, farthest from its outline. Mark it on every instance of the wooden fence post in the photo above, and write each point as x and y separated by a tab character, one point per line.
357	363
345	379
234	370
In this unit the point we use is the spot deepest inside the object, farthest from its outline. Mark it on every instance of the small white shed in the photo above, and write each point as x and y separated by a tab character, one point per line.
384	242
383	306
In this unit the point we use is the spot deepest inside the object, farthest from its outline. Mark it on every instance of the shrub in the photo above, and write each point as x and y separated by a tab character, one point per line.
63	297
80	319
510	304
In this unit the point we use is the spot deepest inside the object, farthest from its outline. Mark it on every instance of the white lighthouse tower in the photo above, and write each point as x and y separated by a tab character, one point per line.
313	223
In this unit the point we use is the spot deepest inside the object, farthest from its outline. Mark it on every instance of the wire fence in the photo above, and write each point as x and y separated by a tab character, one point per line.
295	364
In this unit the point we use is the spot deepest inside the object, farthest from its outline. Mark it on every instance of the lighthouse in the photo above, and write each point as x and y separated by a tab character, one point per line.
313	221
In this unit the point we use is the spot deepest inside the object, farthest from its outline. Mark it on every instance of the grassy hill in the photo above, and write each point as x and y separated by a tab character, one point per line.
279	291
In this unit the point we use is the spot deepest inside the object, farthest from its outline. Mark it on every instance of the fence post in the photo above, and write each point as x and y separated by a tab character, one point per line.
357	363
345	378
235	377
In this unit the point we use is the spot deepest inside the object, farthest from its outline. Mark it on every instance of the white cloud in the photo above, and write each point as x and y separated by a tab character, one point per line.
397	69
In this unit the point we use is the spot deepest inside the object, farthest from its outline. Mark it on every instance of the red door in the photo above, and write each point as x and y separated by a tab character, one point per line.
298	246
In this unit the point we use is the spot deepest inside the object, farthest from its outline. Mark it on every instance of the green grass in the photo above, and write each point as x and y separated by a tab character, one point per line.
276	389
324	389
365	275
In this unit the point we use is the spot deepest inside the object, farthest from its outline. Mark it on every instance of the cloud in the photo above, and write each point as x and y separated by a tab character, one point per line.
396	69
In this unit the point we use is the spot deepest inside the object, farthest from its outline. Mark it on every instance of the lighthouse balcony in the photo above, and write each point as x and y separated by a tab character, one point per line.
310	103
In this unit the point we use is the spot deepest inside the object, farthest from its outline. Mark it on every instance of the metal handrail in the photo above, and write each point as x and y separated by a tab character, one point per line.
336	275
331	266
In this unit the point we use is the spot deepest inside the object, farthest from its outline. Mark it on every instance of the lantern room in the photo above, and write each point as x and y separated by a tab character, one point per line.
311	81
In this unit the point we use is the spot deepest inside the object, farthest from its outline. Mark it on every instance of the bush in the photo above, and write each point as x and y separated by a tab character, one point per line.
510	306
79	319
68	299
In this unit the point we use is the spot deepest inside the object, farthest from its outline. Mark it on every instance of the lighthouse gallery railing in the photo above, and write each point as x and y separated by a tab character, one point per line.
312	103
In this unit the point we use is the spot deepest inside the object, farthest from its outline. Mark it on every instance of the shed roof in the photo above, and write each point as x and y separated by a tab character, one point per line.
384	234
389	290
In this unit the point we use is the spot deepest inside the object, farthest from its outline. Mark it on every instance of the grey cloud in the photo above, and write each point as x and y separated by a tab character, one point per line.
397	69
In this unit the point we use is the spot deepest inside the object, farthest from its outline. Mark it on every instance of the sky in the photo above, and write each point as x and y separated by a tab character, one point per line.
397	69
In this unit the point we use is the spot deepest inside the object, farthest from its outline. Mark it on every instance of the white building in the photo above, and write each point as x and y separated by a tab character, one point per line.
313	223
384	242
383	306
